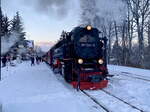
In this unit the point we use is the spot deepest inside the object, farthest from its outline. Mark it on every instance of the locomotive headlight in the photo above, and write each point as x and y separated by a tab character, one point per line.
100	61
89	27
80	61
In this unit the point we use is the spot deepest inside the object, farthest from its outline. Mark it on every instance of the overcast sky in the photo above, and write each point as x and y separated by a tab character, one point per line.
44	20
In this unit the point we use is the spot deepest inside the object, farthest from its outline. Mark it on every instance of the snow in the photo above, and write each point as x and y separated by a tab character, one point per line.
135	91
110	102
37	89
130	70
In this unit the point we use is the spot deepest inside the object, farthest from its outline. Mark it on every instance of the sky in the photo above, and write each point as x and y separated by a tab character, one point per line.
44	20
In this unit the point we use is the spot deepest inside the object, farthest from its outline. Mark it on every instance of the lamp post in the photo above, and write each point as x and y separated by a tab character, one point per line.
0	34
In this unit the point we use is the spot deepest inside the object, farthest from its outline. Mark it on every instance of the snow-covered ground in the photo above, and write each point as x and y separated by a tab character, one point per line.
37	89
129	89
130	70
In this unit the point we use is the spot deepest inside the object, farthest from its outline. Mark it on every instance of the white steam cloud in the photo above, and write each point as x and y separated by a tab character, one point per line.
57	8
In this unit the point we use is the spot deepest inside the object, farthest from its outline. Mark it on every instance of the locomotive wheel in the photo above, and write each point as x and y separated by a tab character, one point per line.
67	72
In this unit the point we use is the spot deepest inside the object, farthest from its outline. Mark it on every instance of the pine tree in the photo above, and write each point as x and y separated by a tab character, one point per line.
1	23
17	26
6	25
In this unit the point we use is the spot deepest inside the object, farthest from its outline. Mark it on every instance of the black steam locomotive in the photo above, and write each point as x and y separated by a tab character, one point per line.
80	57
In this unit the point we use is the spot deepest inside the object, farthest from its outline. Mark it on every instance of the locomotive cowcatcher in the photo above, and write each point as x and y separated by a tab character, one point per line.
80	57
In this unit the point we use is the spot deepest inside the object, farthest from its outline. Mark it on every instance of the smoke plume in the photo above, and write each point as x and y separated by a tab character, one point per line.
57	8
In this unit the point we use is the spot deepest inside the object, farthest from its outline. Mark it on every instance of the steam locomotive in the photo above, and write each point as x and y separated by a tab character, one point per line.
80	57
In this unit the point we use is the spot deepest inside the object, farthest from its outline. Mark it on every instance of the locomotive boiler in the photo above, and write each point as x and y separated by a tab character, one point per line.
80	57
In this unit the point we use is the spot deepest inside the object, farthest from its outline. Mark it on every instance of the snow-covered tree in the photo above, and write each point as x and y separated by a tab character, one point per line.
17	26
148	33
12	34
141	11
6	25
2	23
122	22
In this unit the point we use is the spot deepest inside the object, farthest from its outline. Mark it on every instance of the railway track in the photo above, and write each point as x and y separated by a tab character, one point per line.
95	101
134	107
104	107
135	76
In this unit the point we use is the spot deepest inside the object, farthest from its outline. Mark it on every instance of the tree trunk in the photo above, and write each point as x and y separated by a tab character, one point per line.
109	41
123	44
141	44
117	42
149	35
